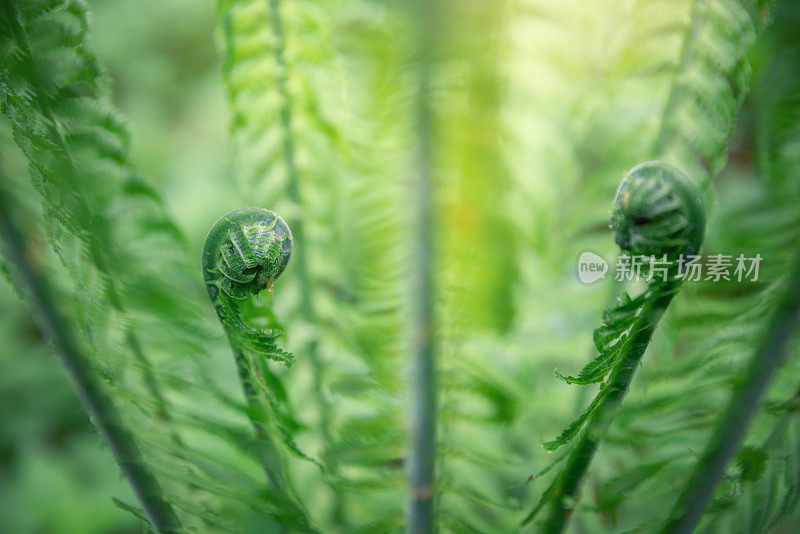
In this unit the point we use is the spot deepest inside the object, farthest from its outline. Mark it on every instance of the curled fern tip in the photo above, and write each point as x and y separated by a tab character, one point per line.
245	251
658	210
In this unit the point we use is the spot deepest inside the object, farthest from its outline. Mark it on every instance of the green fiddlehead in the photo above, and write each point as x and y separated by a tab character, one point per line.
244	252
658	212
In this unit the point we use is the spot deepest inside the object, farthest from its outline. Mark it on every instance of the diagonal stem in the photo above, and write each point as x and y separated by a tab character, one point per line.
84	381
744	404
571	478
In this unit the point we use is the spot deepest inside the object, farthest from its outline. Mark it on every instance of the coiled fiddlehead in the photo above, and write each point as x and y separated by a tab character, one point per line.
244	252
657	212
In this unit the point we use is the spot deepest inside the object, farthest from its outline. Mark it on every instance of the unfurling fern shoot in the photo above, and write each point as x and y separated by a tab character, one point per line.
658	213
244	252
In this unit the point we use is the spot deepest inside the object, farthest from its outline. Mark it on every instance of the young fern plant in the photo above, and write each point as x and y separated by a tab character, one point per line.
658	213
243	254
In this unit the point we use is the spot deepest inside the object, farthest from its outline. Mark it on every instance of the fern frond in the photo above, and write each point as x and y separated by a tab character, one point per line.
307	149
132	284
157	509
770	356
709	84
609	339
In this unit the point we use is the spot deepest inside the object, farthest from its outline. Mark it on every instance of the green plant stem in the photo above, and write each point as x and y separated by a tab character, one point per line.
744	404
45	107
268	453
298	228
421	465
698	19
85	383
614	391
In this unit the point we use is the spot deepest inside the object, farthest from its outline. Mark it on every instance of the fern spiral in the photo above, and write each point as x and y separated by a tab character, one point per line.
244	252
657	211
247	249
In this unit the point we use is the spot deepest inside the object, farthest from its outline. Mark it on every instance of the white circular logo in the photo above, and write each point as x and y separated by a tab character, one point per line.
591	267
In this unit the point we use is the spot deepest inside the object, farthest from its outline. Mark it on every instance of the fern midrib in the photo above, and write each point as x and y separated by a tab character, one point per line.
568	483
268	453
293	187
698	18
112	293
96	403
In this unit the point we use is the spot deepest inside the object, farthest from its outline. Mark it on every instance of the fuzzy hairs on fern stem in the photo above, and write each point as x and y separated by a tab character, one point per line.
243	254
658	212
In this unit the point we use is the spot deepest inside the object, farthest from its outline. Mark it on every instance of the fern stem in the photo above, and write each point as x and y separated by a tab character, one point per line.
697	21
84	381
268	453
98	256
422	388
617	387
306	301
744	404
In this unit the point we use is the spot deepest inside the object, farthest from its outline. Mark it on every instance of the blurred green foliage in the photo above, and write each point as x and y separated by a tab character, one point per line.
165	73
541	107
55	474
56	477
